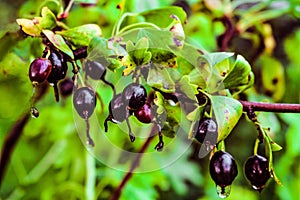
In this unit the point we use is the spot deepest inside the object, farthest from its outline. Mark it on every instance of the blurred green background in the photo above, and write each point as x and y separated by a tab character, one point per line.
50	161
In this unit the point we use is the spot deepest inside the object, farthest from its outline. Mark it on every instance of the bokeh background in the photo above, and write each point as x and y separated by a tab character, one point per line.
51	162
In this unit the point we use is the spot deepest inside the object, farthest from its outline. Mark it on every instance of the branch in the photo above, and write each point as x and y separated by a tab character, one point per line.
116	195
270	107
14	134
10	141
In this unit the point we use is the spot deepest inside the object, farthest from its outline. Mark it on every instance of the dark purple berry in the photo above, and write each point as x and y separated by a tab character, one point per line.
134	95
66	87
59	66
39	70
257	171
207	131
222	168
118	109
84	101
118	112
144	114
95	70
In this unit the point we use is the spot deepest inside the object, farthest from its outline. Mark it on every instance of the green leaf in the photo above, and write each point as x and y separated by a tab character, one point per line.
29	27
81	35
101	47
217	57
211	67
273	77
159	102
164	37
59	42
187	88
197	79
238	74
170	126
161	16
159	78
227	112
48	19
275	146
138	52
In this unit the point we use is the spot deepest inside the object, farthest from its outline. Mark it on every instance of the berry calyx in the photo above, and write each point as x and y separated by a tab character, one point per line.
84	101
39	70
144	114
134	95
223	170
206	132
257	171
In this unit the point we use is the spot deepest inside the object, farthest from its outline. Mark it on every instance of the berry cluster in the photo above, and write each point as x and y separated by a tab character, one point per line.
133	101
51	69
223	170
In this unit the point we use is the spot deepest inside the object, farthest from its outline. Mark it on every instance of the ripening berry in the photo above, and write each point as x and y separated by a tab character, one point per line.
257	171
134	95
39	70
84	101
207	131
144	114
59	66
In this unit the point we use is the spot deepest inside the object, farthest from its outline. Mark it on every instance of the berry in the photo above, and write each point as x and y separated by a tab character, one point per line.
84	101
117	109
222	168
118	112
66	87
134	95
207	131
59	66
39	70
144	114
95	70
257	171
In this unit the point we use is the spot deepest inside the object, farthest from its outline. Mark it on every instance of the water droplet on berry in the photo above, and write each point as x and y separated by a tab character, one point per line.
223	192
35	112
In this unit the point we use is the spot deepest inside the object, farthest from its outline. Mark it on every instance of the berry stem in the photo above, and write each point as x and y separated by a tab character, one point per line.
116	28
90	140
56	94
131	135
256	145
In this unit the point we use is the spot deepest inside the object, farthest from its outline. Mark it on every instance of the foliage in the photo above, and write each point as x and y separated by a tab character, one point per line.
209	49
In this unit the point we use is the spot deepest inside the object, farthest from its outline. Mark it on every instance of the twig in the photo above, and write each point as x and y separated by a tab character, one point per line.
134	165
16	131
270	107
10	141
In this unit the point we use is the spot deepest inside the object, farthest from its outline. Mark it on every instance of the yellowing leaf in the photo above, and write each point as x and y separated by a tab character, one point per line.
58	42
81	35
29	27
